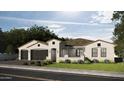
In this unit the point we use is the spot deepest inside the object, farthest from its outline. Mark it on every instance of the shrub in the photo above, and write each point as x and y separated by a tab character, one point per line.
80	61
67	61
106	61
74	62
87	60
47	62
61	61
25	63
38	63
42	64
95	61
32	62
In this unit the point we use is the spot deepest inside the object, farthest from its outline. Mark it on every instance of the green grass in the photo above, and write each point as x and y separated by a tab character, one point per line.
114	67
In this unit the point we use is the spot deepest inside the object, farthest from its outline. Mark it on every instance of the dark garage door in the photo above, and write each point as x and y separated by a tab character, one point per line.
24	54
39	54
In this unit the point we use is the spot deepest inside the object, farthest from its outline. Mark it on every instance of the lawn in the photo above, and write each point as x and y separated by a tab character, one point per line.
114	67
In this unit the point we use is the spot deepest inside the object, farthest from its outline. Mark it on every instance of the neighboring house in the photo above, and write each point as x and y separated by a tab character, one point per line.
74	49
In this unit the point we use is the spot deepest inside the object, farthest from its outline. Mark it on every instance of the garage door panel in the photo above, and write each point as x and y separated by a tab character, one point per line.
39	54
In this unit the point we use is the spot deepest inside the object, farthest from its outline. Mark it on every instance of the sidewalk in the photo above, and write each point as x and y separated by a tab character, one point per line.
63	70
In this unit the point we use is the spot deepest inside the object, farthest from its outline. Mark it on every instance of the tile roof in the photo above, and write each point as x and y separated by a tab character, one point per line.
77	42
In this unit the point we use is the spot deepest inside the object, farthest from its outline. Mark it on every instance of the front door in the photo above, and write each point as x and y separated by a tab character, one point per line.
53	54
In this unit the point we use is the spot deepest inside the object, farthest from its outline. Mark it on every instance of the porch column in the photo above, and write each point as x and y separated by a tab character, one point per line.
19	55
49	54
29	55
58	53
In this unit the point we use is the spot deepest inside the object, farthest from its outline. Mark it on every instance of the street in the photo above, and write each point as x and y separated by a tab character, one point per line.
6	77
12	74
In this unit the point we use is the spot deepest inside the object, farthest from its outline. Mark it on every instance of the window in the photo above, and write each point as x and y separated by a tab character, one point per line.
63	52
94	52
103	52
78	52
83	49
53	43
99	44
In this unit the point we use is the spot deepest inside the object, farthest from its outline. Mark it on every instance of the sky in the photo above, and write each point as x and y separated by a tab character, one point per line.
91	25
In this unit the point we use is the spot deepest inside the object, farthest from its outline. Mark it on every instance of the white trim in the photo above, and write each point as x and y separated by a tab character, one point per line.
29	55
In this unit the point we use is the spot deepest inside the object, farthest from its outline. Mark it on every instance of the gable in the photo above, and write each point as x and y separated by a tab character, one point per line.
100	43
31	44
38	45
27	44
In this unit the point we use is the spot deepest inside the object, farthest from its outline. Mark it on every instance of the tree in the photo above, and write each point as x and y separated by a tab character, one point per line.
2	41
118	19
40	33
9	49
17	37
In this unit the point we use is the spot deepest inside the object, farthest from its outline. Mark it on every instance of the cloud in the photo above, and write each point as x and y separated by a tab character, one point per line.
102	17
105	34
45	21
56	28
104	30
24	27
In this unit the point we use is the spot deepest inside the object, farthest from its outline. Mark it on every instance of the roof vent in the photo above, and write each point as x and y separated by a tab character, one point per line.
38	45
53	43
98	44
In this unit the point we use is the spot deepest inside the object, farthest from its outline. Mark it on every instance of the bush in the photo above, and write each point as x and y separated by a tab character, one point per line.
61	61
42	64
25	63
32	62
47	62
38	63
95	61
106	61
80	61
67	61
87	60
74	62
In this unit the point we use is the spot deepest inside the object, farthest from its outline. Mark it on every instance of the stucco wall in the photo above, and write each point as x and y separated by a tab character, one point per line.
70	58
108	46
51	46
87	52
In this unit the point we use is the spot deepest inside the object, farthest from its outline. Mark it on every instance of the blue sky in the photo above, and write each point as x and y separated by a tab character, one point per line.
73	24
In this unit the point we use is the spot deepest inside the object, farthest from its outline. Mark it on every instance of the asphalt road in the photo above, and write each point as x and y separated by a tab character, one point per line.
6	77
11	74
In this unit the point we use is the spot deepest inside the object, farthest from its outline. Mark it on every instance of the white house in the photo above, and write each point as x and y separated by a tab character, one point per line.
74	49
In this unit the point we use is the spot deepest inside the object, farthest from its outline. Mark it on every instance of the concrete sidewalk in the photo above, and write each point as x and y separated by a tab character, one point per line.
63	70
